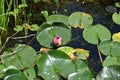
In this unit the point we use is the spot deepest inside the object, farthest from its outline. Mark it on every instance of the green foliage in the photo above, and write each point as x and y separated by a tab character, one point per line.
46	36
109	73
82	73
117	4
1	69
111	48
18	28
80	20
50	66
12	73
75	53
57	18
45	13
15	76
17	56
30	73
111	61
34	27
11	70
116	18
64	61
116	37
95	33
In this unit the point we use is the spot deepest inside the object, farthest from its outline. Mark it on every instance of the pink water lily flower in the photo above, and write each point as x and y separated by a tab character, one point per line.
57	40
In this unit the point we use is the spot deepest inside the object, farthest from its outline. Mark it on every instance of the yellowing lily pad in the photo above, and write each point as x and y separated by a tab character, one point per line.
75	53
116	37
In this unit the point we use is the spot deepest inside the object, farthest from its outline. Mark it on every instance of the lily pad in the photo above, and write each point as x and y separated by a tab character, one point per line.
116	18
109	73
75	53
117	4
111	61
17	56
58	18
15	77
11	70
116	37
54	63
82	73
80	19
30	73
46	36
111	48
95	33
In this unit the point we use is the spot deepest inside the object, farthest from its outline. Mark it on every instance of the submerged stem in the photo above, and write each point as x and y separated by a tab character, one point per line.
99	54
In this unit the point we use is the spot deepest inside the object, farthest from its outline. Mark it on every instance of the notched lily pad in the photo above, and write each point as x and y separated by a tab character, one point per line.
111	48
116	17
80	20
95	33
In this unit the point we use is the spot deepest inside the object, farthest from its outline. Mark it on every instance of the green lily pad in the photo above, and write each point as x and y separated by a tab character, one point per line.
109	73
30	73
82	73
95	33
111	61
116	18
15	77
117	4
80	19
45	37
110	48
54	63
66	49
58	18
17	56
11	70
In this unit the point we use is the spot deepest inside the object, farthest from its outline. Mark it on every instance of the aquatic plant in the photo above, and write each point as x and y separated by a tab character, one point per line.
57	61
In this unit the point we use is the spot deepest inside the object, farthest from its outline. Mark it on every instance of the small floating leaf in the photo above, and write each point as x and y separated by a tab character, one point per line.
116	18
116	37
111	9
117	4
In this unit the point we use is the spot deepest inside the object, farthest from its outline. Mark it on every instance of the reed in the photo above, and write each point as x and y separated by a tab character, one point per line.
3	27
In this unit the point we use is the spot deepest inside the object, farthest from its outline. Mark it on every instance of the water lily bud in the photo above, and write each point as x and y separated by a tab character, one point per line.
57	41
